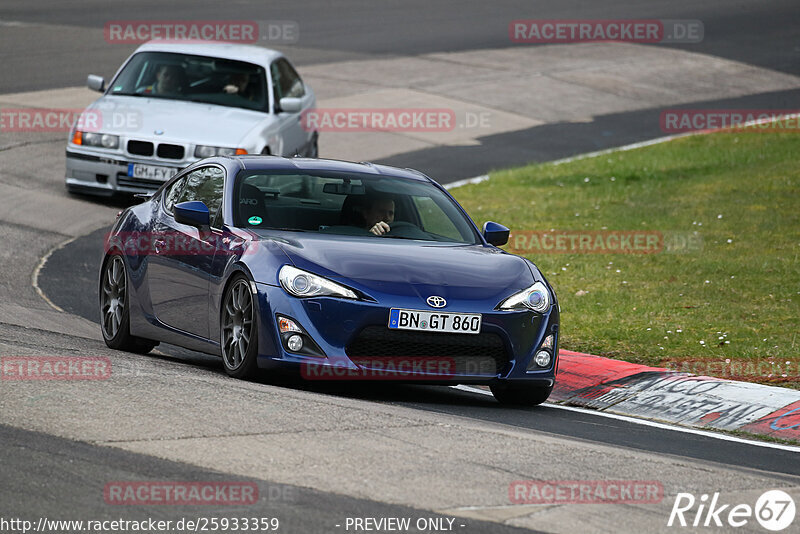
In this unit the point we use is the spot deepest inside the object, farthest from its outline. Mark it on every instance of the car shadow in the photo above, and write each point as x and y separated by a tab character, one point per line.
377	391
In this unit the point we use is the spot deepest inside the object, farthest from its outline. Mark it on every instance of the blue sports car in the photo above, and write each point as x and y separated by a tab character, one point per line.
342	271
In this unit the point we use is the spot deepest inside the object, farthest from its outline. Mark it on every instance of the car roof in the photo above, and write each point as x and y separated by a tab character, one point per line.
238	52
258	162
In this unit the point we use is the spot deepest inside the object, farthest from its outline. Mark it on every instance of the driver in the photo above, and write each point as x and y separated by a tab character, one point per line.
378	214
169	80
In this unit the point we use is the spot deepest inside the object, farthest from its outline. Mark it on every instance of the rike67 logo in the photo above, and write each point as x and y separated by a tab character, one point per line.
774	510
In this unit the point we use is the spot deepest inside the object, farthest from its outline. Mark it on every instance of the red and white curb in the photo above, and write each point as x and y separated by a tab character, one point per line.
674	397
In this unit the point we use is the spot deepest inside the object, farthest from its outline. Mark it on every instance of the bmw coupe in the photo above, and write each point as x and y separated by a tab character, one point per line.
174	103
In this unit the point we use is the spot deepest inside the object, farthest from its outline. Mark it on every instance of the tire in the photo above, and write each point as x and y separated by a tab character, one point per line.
520	394
239	330
115	309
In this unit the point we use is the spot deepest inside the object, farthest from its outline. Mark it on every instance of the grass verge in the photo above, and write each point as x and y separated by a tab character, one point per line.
718	294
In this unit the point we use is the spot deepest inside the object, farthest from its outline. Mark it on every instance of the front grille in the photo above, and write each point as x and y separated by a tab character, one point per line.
168	151
140	148
481	354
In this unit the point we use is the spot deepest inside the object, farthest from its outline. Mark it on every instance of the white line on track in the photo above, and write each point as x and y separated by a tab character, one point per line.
38	269
654	424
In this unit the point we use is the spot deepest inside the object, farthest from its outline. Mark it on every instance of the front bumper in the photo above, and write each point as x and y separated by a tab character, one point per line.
93	172
357	343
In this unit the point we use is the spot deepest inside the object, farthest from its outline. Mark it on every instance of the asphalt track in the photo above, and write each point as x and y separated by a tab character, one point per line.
79	489
758	33
74	290
57	477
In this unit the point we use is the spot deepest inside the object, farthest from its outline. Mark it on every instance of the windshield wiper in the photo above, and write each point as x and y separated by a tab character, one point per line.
148	95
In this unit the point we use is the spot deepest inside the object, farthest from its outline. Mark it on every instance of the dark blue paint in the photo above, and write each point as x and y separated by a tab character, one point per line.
177	298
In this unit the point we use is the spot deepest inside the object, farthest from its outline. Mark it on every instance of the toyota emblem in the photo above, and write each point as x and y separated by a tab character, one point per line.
435	301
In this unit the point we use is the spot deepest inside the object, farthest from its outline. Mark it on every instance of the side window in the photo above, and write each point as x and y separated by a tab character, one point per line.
172	193
285	80
206	185
434	220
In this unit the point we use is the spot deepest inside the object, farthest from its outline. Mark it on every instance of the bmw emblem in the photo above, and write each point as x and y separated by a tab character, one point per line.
158	132
435	301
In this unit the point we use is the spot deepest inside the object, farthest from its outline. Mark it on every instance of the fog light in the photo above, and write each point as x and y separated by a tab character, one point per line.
542	358
295	343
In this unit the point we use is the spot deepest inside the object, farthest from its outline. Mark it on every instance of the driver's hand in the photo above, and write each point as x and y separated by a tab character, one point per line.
230	89
380	228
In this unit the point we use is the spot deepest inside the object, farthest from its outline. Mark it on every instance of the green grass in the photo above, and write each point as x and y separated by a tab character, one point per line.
655	309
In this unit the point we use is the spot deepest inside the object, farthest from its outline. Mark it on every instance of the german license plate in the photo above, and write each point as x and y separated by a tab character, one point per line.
150	172
456	323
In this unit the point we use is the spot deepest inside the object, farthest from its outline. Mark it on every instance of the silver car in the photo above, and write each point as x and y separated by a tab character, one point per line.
173	103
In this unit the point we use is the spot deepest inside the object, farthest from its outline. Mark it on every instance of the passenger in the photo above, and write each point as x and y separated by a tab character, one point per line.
238	84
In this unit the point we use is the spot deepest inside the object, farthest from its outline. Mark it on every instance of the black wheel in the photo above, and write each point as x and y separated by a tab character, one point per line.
520	394
114	310
239	337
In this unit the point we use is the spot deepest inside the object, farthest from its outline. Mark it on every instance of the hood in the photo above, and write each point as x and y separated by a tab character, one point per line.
187	122
396	267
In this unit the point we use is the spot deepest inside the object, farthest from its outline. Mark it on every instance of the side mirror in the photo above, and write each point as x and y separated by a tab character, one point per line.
495	234
96	83
290	105
193	213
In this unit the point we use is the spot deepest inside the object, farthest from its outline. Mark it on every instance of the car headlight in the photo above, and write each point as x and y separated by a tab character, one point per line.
99	140
301	283
205	151
535	297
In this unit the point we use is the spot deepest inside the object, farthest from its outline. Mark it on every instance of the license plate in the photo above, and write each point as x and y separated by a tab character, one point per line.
456	323
150	172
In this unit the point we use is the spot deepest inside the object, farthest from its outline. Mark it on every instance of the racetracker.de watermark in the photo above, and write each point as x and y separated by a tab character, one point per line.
734	120
379	119
174	243
760	368
54	368
602	242
386	368
48	120
585	491
588	30
180	493
231	31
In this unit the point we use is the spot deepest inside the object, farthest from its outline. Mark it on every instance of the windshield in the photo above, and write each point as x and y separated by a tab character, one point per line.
193	78
349	204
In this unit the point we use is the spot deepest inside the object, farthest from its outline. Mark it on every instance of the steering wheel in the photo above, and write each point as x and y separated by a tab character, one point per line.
406	229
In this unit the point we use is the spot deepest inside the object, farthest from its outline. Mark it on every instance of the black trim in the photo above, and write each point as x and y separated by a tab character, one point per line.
88	157
79	189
